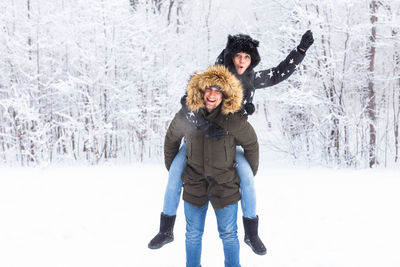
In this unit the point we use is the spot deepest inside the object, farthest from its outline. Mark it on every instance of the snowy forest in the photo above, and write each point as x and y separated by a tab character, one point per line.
96	81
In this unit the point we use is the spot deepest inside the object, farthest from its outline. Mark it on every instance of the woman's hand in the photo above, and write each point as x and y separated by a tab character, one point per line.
306	41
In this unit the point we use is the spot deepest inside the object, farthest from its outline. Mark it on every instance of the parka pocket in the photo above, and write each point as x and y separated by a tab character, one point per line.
225	177
188	149
190	175
226	152
230	149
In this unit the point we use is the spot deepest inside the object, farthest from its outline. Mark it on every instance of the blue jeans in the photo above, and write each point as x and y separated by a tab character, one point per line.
227	228
174	186
247	188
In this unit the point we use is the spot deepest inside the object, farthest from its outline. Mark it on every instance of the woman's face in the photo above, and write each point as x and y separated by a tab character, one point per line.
241	61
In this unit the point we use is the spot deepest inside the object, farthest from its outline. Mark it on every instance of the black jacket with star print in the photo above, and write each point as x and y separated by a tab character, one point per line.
252	80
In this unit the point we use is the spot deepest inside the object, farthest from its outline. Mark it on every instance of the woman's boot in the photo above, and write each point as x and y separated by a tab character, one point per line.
166	234
251	237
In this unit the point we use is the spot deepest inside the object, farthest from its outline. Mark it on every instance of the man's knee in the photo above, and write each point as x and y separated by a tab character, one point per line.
193	235
228	231
229	236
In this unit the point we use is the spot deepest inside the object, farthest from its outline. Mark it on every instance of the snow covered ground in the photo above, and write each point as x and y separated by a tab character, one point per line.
105	216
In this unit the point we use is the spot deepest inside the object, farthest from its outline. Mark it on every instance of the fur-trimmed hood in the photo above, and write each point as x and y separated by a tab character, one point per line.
215	75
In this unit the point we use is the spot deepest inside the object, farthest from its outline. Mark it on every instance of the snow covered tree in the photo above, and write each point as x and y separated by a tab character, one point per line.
99	81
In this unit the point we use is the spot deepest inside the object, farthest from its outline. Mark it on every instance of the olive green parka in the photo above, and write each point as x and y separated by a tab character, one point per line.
210	173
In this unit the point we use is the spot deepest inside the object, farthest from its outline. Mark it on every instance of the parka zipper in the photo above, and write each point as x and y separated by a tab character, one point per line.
225	138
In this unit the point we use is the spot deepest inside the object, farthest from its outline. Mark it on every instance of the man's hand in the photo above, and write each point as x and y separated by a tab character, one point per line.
306	41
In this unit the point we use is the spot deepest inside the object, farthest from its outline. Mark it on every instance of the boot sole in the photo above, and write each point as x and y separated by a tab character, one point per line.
161	245
255	251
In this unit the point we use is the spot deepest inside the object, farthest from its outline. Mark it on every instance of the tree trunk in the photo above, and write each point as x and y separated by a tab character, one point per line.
208	30
171	4
105	90
28	5
396	121
178	15
396	92
371	105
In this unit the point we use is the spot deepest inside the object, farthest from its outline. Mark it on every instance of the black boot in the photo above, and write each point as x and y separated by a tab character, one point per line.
166	234
251	237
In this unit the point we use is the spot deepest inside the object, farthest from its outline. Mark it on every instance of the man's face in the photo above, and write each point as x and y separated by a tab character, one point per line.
241	61
212	98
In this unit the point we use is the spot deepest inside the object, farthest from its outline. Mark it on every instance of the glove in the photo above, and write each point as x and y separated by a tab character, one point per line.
250	108
215	131
306	41
202	125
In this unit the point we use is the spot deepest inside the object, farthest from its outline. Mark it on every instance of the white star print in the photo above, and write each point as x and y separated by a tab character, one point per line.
270	74
296	66
258	75
288	71
283	74
191	114
291	61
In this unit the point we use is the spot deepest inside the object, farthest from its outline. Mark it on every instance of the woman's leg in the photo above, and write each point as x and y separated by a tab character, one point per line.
248	192
171	201
195	219
174	187
247	188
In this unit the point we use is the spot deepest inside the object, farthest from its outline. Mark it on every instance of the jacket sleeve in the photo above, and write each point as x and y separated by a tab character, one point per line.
173	138
272	76
247	138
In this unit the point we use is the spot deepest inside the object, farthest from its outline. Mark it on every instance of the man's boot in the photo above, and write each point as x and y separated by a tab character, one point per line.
251	237
166	234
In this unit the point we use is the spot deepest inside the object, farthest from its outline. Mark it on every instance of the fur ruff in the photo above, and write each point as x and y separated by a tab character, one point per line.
215	75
